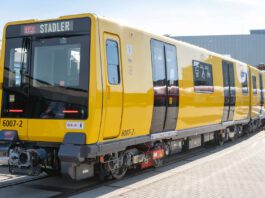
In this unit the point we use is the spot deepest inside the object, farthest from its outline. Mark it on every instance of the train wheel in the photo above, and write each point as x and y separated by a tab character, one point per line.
235	134
220	139
158	163
251	127
246	129
116	166
119	173
239	130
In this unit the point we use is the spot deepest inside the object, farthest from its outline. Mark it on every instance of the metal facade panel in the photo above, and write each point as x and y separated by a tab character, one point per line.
246	48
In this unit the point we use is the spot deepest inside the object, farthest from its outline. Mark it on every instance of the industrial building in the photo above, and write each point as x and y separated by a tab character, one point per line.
249	48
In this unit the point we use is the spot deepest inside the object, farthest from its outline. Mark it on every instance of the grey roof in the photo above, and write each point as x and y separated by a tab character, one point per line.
248	48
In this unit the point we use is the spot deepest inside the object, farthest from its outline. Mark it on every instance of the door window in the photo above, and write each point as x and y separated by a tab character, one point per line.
113	63
254	82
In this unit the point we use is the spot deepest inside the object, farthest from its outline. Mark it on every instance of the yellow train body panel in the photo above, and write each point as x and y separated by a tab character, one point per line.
242	99
255	93
137	94
198	109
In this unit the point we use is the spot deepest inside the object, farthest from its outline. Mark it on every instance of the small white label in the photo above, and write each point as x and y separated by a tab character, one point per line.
129	49
75	125
85	171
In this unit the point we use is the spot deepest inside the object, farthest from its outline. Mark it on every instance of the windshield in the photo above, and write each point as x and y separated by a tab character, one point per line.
59	84
57	65
46	77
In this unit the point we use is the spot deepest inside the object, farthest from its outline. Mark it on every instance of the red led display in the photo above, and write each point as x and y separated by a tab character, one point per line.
29	29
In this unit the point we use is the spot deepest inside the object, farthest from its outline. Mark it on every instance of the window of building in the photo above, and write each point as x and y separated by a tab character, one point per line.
203	76
113	62
254	83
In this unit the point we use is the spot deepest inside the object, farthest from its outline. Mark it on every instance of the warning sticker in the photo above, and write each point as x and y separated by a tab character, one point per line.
75	125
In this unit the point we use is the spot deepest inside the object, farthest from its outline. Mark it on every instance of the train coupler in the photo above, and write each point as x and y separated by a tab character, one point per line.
20	160
26	161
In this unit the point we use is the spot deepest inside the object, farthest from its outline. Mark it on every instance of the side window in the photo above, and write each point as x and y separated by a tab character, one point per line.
18	63
158	63
254	82
244	78
171	62
112	50
203	76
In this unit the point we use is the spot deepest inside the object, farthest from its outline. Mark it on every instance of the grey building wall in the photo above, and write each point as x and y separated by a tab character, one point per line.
247	48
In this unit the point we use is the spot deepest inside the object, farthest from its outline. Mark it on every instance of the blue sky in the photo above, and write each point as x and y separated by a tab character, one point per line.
189	17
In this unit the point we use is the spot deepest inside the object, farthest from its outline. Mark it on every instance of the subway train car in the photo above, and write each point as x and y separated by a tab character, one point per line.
83	95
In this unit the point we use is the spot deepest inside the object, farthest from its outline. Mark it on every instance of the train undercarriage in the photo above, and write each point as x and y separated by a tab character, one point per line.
33	158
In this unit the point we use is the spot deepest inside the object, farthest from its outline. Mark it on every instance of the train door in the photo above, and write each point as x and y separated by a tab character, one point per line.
165	82
229	91
261	92
114	86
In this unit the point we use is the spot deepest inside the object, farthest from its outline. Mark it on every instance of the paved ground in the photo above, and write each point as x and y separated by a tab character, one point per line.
237	170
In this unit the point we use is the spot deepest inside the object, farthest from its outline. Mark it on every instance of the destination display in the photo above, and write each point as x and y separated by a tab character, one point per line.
47	28
202	73
50	28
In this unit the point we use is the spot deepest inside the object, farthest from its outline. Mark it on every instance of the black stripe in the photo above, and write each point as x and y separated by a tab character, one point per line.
166	90
229	91
261	92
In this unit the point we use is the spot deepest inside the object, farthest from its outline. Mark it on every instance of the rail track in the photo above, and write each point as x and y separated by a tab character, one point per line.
12	180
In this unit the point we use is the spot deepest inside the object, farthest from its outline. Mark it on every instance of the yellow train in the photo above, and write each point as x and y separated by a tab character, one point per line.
85	95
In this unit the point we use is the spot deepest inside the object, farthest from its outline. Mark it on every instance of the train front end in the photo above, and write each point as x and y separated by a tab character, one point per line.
45	82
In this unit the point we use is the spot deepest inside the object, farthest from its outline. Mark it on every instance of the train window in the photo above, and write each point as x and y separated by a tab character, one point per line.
171	61
254	83
63	69
18	63
203	76
244	79
112	49
59	78
158	63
